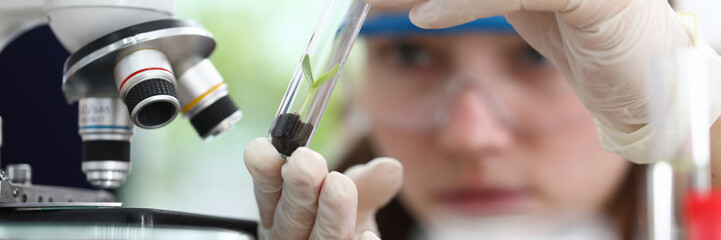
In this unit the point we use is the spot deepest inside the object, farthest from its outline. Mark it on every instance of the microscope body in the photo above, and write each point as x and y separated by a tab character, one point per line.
131	64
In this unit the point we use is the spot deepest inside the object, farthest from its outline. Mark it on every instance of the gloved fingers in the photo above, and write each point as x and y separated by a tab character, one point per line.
442	14
364	224
377	181
337	206
264	164
303	176
448	13
367	235
540	30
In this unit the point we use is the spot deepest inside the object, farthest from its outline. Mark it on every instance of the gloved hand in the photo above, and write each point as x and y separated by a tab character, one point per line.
602	48
299	199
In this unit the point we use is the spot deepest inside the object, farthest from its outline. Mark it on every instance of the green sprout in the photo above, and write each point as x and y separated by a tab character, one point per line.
325	77
306	69
316	83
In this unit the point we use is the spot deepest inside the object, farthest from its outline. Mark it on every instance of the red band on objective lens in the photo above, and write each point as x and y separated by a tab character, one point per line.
138	72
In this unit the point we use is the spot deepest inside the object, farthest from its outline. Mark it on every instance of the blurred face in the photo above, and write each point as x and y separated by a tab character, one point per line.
484	126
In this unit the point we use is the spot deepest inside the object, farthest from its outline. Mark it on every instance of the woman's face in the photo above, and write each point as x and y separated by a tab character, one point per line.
484	126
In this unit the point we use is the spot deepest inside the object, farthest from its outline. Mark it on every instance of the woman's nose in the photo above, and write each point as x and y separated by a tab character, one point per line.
474	126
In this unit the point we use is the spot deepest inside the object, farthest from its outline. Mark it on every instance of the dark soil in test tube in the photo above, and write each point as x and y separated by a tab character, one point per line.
290	133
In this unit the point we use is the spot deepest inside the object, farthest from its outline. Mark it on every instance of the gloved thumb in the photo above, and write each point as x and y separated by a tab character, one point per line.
367	235
377	181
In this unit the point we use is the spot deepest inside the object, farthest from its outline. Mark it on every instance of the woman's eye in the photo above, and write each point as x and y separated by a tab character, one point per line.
533	57
411	55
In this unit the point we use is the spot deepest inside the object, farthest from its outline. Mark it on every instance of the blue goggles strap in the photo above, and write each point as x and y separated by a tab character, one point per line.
398	24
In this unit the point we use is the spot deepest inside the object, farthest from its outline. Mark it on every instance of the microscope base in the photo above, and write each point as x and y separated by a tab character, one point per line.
128	217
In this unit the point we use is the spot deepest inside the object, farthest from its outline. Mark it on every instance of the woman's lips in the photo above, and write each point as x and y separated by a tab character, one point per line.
483	201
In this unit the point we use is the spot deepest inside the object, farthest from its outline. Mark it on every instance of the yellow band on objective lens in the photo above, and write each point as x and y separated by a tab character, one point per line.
195	101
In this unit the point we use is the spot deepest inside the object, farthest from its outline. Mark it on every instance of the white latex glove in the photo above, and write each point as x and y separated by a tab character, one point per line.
602	48
299	199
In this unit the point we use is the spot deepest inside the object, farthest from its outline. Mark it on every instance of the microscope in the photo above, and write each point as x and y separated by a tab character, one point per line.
131	65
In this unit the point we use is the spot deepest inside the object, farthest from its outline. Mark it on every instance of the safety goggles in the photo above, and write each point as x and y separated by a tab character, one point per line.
419	86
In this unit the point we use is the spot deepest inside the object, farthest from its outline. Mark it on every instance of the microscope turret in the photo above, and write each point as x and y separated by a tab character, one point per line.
132	64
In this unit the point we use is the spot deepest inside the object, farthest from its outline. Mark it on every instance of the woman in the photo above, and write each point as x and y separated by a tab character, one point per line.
488	132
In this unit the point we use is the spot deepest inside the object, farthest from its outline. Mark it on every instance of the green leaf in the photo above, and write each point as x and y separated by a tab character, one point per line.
325	77
306	69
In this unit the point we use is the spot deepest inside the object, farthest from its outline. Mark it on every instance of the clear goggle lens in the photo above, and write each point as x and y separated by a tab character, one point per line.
421	96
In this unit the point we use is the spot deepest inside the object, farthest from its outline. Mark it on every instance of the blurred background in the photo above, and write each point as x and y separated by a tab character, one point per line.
259	46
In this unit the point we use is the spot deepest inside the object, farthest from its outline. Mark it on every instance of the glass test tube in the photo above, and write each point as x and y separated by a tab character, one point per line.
680	144
318	71
680	108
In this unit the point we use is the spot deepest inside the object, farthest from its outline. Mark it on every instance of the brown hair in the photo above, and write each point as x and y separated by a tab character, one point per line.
394	222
